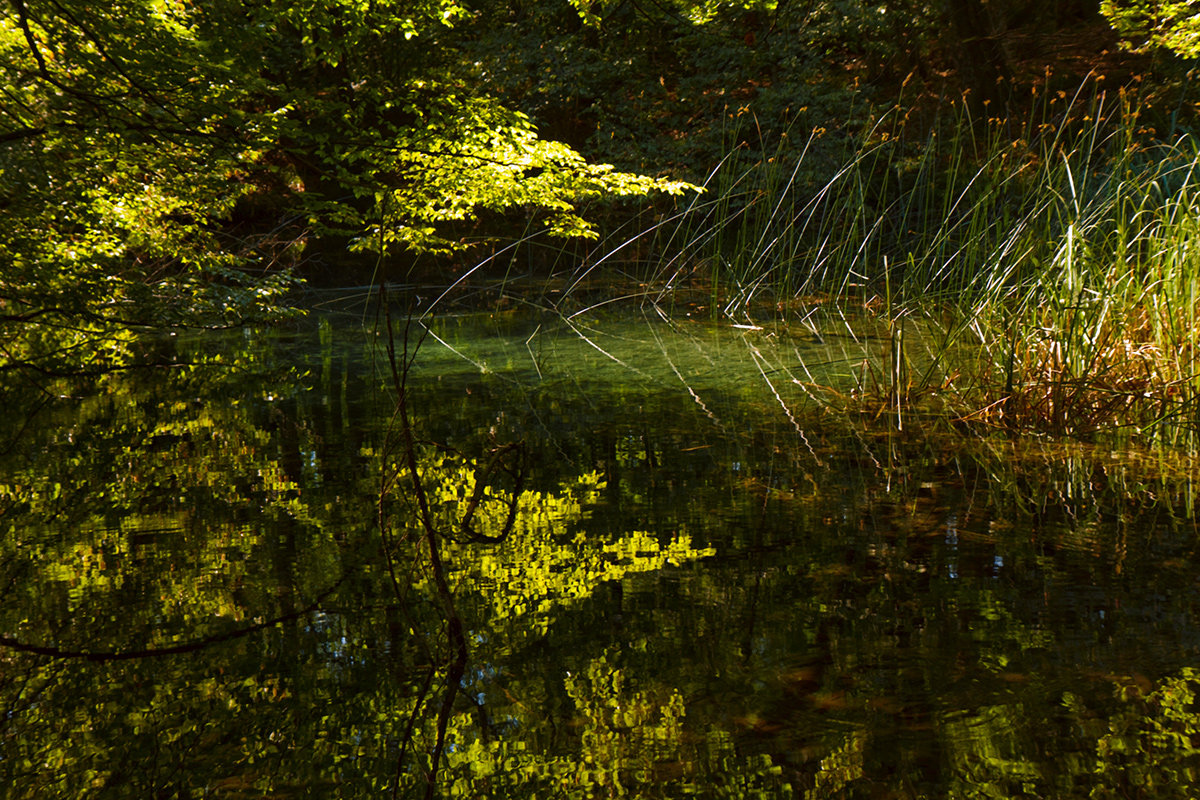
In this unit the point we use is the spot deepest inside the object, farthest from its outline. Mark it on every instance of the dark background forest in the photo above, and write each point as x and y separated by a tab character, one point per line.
164	163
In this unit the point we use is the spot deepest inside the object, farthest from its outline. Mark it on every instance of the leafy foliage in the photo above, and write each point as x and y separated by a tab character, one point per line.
167	163
1156	23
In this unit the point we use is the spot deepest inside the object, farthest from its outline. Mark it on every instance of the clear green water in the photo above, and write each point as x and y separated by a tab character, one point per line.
712	588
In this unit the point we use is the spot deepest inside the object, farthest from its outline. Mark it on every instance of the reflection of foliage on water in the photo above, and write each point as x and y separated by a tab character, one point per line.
1139	742
547	560
456	502
1152	740
147	502
624	741
679	610
147	729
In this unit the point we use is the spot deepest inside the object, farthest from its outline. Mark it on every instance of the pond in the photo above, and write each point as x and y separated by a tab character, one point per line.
218	579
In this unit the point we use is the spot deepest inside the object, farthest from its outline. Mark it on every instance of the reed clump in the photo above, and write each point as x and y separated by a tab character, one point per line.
1053	266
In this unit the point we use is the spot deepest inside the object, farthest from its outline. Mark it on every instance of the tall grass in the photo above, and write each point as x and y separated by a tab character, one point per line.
1058	263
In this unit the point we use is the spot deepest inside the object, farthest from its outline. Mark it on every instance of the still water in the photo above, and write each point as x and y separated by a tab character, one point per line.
216	582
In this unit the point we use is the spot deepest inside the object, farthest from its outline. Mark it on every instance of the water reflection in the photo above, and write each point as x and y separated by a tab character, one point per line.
693	600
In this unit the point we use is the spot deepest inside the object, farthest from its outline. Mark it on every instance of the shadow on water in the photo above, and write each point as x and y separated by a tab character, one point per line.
243	578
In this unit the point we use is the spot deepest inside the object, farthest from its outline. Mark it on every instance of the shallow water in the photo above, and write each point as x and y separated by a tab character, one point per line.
712	587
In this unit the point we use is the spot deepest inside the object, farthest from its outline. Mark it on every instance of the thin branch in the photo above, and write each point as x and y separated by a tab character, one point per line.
189	647
22	133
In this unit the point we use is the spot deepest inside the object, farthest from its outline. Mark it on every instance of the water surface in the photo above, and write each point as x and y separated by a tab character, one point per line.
217	585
